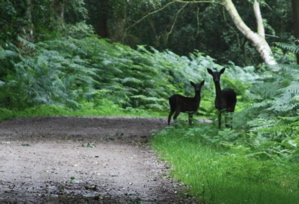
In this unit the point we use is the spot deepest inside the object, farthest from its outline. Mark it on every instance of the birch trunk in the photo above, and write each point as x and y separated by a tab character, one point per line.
257	38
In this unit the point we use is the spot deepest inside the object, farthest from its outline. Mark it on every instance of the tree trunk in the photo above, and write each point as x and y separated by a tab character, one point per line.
295	7
27	29
259	19
57	12
102	29
62	10
258	39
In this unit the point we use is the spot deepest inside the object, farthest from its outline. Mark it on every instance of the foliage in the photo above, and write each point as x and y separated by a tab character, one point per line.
257	160
184	28
221	168
273	113
289	47
46	78
69	71
38	20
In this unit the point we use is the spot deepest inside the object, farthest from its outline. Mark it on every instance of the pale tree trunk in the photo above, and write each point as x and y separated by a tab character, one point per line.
257	38
259	19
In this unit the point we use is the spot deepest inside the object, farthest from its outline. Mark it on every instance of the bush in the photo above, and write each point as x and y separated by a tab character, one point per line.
67	71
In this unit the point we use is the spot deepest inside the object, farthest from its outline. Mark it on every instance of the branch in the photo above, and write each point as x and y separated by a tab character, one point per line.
237	20
149	14
165	6
259	19
172	26
258	40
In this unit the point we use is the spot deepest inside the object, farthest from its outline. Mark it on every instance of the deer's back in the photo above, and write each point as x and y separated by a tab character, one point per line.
183	103
230	98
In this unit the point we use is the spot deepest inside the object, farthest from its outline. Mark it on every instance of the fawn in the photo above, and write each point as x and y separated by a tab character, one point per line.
184	104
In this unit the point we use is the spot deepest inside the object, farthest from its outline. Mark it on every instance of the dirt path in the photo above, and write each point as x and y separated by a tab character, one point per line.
83	160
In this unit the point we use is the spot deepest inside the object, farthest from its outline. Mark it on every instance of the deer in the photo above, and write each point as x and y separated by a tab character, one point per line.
190	105
226	99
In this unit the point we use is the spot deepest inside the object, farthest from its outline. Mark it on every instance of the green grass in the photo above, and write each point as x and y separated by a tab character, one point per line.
221	171
106	108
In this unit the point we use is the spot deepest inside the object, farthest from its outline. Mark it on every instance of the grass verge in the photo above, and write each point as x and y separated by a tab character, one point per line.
86	109
219	168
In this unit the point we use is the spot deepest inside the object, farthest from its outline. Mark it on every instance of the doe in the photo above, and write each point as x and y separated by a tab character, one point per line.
225	99
184	104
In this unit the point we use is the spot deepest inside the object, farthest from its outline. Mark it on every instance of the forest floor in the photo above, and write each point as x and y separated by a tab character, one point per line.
84	160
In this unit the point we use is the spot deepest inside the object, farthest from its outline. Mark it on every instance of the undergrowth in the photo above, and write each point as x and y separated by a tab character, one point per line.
69	71
220	167
255	162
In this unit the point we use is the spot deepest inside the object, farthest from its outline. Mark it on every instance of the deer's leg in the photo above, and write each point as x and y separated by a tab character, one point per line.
228	119
219	119
169	116
190	116
177	113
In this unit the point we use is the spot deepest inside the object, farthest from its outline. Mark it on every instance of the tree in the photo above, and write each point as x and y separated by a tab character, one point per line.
257	38
34	20
205	25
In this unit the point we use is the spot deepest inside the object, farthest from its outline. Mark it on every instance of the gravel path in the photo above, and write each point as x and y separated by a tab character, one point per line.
83	160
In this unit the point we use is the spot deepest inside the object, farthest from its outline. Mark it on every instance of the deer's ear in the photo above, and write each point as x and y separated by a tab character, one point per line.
210	71
192	83
222	70
202	83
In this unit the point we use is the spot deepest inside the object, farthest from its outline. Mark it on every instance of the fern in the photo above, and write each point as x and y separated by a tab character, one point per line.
290	47
273	113
68	70
26	43
48	78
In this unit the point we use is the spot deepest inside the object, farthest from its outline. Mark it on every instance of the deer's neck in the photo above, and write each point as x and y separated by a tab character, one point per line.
218	91
197	96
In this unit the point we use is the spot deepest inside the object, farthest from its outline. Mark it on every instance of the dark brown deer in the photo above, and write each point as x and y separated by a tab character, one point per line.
225	99
184	104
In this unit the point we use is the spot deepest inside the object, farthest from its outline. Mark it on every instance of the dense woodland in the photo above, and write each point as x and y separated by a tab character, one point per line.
116	56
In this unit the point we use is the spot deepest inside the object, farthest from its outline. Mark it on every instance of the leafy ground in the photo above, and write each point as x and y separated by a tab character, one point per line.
83	160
